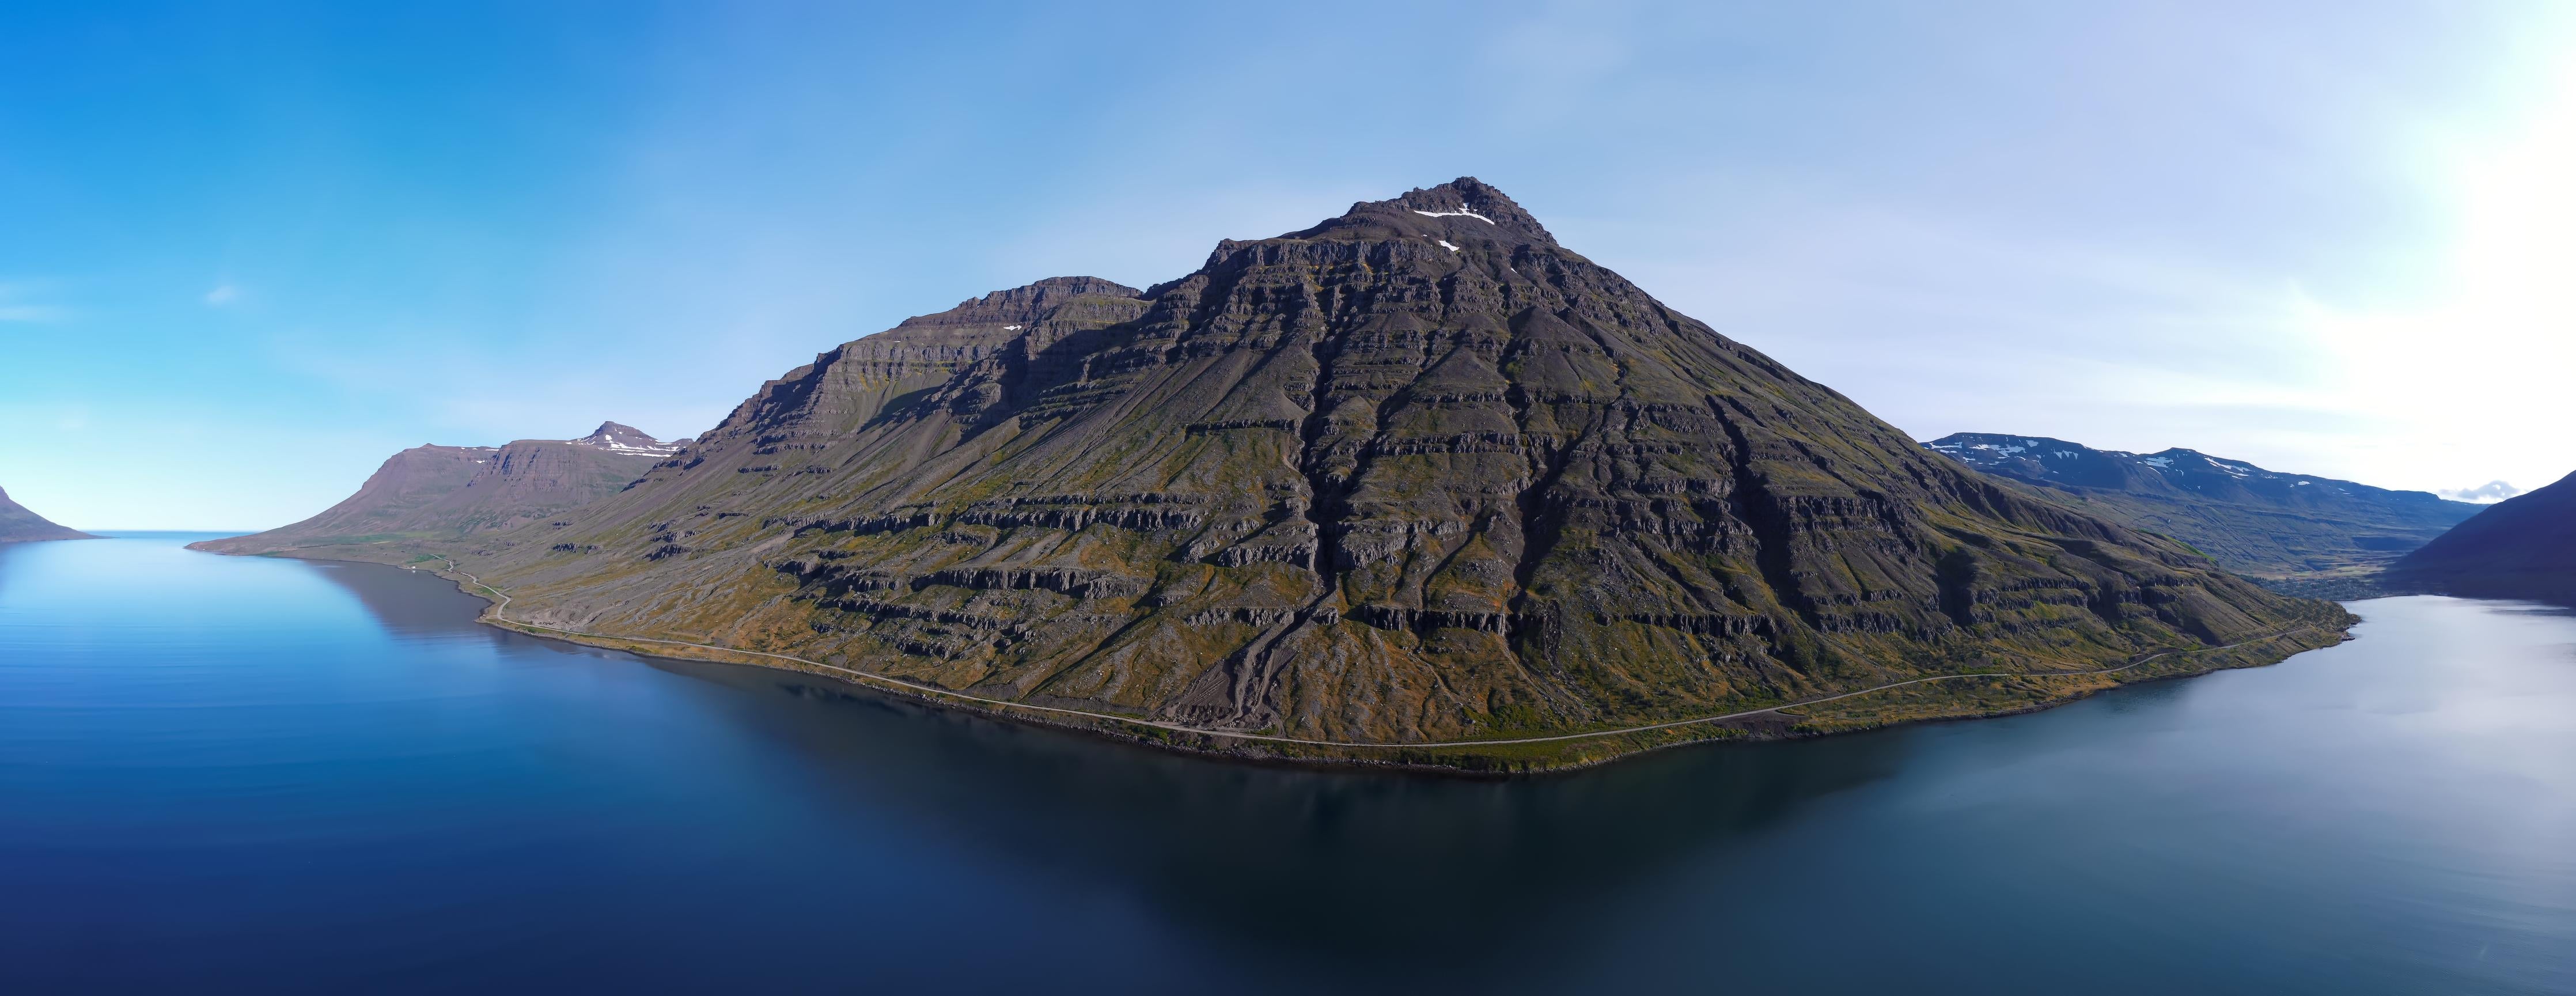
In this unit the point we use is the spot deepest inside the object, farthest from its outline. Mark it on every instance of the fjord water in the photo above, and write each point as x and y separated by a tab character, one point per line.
227	773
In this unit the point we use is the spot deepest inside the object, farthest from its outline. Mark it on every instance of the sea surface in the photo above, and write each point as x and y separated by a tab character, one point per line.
227	774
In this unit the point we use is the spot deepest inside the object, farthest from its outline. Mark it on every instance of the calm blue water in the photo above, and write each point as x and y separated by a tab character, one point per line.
227	773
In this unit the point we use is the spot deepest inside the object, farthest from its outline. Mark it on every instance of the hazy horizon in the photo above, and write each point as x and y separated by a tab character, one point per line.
255	251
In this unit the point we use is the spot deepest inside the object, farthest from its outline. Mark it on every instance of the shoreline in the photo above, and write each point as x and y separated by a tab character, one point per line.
1498	757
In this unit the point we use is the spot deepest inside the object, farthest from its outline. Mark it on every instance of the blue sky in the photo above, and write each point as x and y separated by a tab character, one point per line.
249	250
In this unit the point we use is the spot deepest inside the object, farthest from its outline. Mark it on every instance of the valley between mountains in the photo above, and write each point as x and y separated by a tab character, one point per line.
1416	475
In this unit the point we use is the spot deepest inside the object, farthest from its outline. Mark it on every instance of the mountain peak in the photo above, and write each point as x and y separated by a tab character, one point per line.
1462	210
618	438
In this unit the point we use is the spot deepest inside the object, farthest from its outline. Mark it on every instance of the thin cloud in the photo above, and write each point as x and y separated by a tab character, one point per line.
15	308
223	294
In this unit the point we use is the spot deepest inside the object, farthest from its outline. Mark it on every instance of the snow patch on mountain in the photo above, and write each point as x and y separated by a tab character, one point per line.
1460	213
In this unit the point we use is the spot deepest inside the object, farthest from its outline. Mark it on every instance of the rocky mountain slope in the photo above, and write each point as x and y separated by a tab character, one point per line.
18	525
445	492
1417	473
2522	547
2257	522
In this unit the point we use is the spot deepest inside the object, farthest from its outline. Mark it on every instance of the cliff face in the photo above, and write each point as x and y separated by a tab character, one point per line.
2266	524
1417	472
18	525
457	491
2522	547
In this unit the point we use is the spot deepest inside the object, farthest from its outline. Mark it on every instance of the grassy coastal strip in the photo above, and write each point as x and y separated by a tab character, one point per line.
2016	692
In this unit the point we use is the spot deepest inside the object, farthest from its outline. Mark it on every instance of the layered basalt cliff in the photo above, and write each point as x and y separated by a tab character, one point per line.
1417	473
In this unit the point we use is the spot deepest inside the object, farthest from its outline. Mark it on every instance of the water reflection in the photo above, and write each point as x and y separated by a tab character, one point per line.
1364	863
1306	857
405	602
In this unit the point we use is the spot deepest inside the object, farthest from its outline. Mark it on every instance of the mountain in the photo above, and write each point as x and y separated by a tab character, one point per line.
1415	474
2260	523
17	525
2521	547
455	491
627	439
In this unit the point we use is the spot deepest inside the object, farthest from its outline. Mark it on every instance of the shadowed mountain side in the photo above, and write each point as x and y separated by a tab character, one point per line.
18	525
2260	523
448	492
2522	547
1414	473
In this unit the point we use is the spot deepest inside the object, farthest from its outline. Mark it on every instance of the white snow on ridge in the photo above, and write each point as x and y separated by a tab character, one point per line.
2159	463
1444	243
614	446
1010	328
1460	213
2232	470
604	441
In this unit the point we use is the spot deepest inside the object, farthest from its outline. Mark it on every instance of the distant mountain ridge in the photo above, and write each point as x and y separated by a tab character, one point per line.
18	525
2521	547
458	491
2262	523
